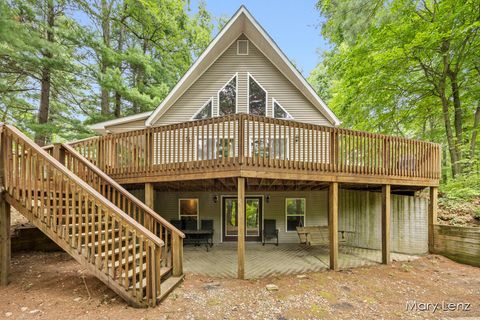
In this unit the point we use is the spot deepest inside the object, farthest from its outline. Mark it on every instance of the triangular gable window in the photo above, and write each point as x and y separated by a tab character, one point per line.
257	98
279	112
227	98
205	111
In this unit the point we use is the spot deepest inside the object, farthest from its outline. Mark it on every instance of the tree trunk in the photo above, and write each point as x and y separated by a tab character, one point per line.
45	83
452	146
473	141
118	97
458	116
104	102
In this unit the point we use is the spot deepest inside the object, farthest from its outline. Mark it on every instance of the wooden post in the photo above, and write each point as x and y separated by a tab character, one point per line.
386	211
149	201
59	153
432	217
5	244
177	247
333	224
241	228
149	195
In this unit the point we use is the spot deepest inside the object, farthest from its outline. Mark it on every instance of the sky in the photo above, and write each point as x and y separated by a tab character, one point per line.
293	24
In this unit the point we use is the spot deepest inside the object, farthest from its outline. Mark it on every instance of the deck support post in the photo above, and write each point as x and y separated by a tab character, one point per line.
5	244
386	212
333	224
149	201
241	228
432	218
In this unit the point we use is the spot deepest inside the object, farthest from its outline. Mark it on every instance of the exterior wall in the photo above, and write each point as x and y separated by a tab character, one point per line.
359	214
223	69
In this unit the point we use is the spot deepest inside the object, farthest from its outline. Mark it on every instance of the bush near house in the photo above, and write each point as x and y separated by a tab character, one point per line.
459	201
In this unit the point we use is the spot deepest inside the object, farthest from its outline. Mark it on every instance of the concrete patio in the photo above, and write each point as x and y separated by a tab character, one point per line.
269	260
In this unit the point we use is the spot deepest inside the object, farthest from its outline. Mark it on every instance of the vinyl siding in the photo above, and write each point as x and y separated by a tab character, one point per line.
222	70
359	212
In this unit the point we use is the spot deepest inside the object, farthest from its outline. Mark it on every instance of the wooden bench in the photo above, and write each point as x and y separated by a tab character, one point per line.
318	235
314	235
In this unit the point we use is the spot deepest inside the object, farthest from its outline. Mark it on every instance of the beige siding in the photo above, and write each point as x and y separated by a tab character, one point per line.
129	126
359	214
220	72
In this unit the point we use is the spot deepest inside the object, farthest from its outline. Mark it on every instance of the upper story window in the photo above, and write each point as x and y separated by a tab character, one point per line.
242	47
227	98
279	112
257	98
205	111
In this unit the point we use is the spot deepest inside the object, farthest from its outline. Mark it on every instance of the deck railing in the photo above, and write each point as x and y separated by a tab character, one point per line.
263	143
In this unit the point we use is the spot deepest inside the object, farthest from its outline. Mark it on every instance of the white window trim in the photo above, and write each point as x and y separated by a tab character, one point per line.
248	47
236	93
296	215
249	75
201	108
273	110
198	208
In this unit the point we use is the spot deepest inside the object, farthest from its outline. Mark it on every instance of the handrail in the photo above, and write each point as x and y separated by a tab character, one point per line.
58	166
245	140
124	192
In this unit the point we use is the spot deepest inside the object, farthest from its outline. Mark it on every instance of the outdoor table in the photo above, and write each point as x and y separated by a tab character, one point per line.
198	236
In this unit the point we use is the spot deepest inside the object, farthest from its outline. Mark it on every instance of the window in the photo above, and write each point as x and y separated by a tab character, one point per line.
205	111
211	148
257	98
276	148
242	47
295	213
227	98
188	209
225	148
279	112
206	149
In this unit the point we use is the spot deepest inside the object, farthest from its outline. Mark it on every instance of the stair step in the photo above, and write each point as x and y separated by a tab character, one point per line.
168	285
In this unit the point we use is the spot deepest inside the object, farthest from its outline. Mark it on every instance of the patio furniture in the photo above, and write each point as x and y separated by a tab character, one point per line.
313	235
207	225
270	230
190	224
177	224
197	237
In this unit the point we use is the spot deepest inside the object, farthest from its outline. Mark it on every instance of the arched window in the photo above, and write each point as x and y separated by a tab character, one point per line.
227	98
257	98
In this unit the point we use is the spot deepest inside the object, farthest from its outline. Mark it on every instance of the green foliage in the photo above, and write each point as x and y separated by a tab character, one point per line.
106	58
407	68
464	188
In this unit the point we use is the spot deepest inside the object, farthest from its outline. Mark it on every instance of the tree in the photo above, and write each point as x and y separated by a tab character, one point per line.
410	67
38	68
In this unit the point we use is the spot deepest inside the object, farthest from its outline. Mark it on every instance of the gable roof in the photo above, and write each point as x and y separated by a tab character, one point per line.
242	22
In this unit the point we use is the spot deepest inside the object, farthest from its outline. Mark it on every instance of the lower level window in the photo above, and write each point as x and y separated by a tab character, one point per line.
188	209
295	212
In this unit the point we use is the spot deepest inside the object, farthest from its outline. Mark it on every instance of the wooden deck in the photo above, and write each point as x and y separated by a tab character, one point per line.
250	146
286	259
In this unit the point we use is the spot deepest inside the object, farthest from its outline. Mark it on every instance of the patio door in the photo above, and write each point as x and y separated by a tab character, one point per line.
253	218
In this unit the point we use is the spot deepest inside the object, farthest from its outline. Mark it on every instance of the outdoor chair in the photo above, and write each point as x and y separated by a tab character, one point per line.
270	231
207	225
190	224
177	224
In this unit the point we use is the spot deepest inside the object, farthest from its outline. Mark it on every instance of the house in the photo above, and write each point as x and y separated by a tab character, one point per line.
241	139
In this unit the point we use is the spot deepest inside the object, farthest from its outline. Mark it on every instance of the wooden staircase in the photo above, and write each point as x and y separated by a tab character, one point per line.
111	233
